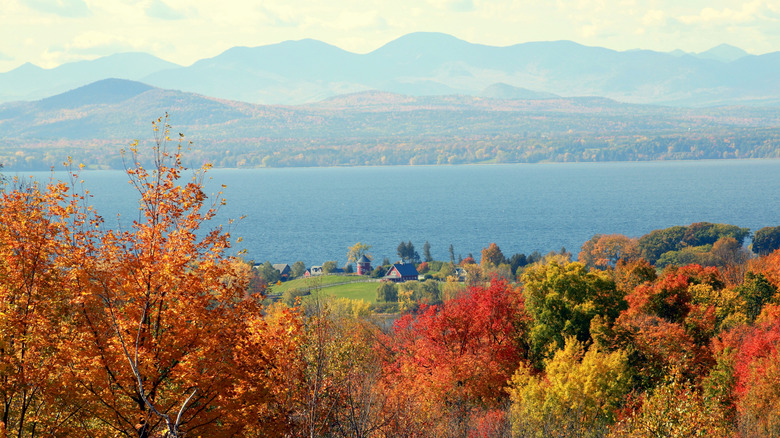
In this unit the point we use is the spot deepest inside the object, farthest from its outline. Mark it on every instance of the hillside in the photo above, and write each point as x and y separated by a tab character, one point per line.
92	123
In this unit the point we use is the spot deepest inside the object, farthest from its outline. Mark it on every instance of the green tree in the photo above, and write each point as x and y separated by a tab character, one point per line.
378	272
387	292
268	273
329	267
407	253
766	240
298	269
755	292
562	298
658	242
452	254
427	252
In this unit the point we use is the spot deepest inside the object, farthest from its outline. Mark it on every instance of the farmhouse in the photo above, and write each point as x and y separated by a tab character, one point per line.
284	270
313	271
402	272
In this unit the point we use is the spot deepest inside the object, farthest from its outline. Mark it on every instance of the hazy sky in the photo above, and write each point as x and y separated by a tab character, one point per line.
51	32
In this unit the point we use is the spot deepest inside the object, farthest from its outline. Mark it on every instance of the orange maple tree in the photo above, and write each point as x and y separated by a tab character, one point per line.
146	331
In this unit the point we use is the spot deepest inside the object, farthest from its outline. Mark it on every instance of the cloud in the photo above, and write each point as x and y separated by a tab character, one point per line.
99	43
654	17
63	8
351	21
158	9
453	5
279	16
749	12
4	57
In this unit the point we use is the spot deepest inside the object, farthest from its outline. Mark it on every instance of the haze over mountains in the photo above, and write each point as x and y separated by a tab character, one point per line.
93	123
306	71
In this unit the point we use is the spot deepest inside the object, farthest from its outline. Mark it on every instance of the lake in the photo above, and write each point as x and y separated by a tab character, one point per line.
315	214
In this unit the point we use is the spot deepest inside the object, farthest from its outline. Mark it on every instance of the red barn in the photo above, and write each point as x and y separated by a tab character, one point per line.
402	272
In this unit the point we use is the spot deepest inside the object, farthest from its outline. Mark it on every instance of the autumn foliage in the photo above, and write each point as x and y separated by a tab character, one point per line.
453	360
140	331
153	330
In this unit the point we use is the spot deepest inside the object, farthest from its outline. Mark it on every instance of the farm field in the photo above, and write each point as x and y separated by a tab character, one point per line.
321	281
354	291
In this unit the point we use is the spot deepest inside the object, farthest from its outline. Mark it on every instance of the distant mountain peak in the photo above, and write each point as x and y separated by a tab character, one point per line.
27	67
106	91
421	41
724	53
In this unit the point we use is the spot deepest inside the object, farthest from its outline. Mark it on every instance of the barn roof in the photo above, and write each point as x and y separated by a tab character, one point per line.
406	269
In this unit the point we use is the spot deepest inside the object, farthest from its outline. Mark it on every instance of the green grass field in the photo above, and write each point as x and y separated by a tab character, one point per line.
354	291
321	281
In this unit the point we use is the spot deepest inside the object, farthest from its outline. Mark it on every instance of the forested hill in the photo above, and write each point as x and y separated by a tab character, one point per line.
92	123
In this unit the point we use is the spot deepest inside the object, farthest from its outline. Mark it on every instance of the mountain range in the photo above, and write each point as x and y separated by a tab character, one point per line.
422	64
93	123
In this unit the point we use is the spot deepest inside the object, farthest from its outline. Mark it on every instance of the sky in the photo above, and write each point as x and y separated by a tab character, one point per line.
49	33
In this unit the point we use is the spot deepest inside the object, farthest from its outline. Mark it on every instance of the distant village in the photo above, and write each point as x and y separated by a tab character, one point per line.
396	272
410	272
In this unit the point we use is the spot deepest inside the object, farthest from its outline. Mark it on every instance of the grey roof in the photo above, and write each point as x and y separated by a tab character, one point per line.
364	259
281	266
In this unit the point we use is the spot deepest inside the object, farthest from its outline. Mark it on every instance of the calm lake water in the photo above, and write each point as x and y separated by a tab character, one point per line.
315	214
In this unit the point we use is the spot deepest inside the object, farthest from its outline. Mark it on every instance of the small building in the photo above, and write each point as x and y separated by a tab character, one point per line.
402	272
284	270
313	271
363	266
460	274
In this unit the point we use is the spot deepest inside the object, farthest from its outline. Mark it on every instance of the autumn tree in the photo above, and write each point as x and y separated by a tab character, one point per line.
338	393
357	251
578	395
669	324
158	312
37	243
675	408
751	355
755	292
562	298
605	251
492	257
456	358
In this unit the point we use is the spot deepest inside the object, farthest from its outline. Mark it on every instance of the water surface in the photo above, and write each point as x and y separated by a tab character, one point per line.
315	214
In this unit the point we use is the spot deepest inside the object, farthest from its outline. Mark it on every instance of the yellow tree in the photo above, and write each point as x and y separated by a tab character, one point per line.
578	396
357	251
35	241
161	312
491	257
